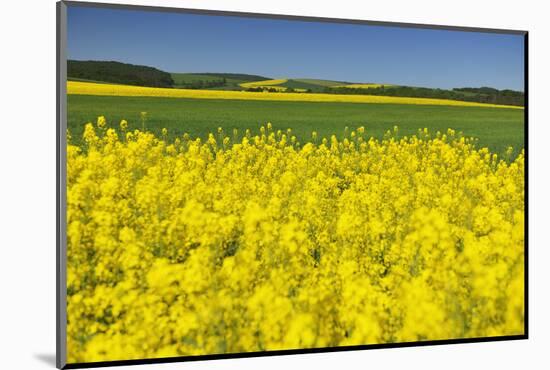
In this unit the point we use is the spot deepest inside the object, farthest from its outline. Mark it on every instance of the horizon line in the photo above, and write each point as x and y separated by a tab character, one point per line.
295	78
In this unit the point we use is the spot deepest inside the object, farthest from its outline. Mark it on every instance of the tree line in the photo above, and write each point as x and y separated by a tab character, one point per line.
479	95
203	84
273	89
129	74
121	73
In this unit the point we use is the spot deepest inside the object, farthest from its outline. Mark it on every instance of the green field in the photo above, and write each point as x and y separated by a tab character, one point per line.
323	83
141	75
304	84
301	84
496	128
232	79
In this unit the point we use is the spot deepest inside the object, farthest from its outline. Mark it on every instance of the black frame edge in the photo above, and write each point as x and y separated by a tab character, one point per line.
61	180
288	17
58	176
305	351
526	185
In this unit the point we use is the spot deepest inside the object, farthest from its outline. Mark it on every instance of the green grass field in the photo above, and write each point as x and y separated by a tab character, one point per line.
496	128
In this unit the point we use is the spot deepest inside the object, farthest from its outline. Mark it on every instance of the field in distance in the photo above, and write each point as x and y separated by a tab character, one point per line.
88	88
215	81
199	103
137	75
232	81
496	128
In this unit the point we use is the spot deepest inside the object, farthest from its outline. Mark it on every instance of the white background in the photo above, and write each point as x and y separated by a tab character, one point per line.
27	183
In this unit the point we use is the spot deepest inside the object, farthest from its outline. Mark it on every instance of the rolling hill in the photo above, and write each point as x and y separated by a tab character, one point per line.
317	82
216	81
292	85
138	75
116	72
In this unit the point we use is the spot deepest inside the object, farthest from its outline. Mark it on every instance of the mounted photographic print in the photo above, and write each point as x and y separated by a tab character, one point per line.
235	184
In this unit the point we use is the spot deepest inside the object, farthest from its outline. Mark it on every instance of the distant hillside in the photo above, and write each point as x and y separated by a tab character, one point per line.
317	82
290	85
478	95
495	96
116	72
365	86
239	81
227	81
268	85
129	74
237	76
216	81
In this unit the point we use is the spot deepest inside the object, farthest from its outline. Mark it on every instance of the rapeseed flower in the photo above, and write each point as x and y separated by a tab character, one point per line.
191	247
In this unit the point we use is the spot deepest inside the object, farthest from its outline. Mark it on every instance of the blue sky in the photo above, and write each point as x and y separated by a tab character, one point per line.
176	42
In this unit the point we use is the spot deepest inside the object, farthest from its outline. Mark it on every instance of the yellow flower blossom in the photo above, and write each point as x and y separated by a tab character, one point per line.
229	245
91	88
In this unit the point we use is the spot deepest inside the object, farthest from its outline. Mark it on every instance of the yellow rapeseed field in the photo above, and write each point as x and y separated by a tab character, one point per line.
265	83
90	88
245	244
